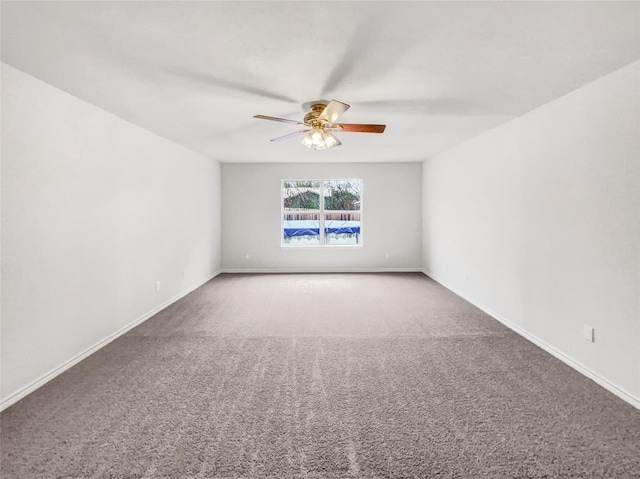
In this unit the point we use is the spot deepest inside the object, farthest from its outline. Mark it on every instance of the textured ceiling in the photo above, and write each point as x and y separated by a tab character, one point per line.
437	73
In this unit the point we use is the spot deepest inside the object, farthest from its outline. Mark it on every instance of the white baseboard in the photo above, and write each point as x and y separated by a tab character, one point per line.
48	376
568	360
321	270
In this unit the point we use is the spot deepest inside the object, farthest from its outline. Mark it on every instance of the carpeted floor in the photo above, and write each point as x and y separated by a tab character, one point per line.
321	376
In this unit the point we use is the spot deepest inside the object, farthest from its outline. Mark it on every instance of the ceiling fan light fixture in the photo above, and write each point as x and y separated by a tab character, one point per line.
330	140
319	139
312	141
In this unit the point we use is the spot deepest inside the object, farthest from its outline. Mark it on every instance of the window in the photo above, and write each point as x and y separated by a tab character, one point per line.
309	221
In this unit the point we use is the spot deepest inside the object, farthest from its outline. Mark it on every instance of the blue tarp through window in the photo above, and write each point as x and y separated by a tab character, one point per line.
312	228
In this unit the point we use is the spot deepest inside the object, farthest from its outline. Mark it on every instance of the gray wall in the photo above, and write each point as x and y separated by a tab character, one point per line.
538	221
251	211
95	210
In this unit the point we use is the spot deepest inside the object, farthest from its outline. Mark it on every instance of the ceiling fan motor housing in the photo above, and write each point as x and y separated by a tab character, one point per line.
311	118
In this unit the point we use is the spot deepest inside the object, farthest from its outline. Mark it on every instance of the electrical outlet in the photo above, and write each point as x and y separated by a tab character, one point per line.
589	333
387	256
157	285
246	256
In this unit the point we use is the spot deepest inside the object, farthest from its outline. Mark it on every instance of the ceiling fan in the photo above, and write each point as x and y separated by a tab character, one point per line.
320	123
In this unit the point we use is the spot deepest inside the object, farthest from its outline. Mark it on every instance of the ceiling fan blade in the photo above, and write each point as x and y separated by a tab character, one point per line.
435	106
273	118
215	82
360	48
360	128
290	135
333	110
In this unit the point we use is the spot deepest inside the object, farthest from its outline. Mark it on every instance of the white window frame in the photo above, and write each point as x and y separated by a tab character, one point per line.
321	213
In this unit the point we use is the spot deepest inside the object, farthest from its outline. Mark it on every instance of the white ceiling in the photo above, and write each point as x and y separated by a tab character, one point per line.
437	73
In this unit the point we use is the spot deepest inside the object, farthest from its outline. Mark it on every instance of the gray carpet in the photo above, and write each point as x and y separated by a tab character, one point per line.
321	376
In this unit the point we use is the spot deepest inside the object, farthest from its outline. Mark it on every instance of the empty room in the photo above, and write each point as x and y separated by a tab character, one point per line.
320	239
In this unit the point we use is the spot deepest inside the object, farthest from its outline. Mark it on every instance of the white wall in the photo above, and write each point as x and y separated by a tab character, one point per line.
95	210
538	221
251	211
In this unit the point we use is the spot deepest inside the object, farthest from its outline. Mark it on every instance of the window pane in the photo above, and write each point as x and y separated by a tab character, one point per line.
301	195
342	227
342	195
301	205
301	229
321	212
